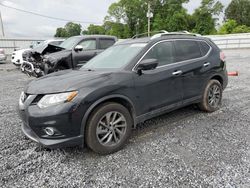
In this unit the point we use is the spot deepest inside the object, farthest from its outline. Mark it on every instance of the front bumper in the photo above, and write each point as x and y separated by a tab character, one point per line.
65	119
51	143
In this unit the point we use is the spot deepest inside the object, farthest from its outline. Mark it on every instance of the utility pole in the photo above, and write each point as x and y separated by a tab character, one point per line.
1	26
149	15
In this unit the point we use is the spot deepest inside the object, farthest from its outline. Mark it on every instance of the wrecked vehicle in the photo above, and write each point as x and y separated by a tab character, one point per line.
71	54
17	55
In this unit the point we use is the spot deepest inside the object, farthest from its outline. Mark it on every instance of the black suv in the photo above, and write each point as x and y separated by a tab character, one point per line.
130	82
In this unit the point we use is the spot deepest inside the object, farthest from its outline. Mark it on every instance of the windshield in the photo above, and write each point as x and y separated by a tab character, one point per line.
69	43
115	57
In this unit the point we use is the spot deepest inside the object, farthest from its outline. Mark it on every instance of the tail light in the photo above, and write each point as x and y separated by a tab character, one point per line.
222	56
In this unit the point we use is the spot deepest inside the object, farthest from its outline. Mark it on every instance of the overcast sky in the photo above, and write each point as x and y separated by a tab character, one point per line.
19	24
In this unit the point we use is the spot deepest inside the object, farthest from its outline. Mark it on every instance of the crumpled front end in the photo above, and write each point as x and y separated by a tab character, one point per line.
34	63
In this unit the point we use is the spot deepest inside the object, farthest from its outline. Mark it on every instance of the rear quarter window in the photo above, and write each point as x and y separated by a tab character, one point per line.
106	43
187	49
204	48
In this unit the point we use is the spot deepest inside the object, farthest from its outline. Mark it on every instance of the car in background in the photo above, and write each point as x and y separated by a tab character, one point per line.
17	56
3	56
71	54
127	84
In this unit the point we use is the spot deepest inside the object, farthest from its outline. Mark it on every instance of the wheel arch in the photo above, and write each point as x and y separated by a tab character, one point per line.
120	99
219	78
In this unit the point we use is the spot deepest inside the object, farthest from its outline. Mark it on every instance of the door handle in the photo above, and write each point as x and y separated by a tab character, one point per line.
177	73
206	64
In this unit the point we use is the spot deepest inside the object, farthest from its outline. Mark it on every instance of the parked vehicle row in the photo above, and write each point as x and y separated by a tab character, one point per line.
128	83
54	55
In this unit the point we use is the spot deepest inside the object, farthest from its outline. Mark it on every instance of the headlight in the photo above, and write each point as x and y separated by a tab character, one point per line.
55	99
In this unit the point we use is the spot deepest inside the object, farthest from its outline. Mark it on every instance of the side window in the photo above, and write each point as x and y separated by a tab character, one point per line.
204	48
106	43
187	49
163	52
88	44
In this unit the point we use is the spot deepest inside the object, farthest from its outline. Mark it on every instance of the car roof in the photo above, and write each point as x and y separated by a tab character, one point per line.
160	38
95	36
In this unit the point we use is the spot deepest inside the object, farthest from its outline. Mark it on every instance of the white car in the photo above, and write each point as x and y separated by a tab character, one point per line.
17	56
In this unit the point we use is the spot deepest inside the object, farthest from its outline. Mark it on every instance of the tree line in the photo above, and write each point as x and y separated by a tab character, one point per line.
126	18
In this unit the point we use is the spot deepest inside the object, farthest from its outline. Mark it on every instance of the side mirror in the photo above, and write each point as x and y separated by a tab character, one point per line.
78	48
147	64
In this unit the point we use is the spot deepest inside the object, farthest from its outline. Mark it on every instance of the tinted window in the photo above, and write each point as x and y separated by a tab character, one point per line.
163	52
88	44
204	48
187	49
106	43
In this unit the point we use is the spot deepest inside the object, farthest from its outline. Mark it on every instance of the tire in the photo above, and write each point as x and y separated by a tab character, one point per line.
212	97
108	128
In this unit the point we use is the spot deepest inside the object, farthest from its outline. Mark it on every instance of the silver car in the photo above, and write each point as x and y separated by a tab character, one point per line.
3	56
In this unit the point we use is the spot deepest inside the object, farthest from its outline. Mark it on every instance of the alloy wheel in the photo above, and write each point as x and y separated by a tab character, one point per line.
214	96
111	128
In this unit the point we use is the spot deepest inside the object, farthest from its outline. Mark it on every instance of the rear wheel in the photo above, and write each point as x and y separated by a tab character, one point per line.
108	128
212	96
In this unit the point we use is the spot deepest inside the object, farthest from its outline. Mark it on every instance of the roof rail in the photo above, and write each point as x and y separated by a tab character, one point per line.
174	33
146	34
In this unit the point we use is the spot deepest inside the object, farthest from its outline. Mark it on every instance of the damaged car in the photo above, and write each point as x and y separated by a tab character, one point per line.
17	56
71	54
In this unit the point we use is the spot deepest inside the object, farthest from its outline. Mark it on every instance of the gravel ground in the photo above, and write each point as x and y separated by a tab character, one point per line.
185	148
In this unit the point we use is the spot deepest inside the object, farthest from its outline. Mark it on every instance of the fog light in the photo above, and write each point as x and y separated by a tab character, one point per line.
49	131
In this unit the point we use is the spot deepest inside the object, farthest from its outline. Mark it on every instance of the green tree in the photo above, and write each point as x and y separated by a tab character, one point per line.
231	26
204	17
61	32
241	29
95	29
239	10
170	15
69	30
228	27
116	29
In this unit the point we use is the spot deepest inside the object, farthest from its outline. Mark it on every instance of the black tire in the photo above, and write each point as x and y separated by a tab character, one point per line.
212	97
100	124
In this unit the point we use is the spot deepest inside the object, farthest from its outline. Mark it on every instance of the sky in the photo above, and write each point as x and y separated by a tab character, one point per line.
20	24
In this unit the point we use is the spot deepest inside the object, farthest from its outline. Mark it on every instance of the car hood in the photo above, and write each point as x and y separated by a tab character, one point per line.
68	80
48	48
58	55
21	51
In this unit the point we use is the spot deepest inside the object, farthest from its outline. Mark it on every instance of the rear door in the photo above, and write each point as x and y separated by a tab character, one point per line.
88	52
195	66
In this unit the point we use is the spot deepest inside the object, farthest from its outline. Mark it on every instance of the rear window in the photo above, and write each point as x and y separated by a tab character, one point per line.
204	48
187	49
106	43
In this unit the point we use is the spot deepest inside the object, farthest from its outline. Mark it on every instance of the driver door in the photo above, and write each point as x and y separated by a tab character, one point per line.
88	52
160	89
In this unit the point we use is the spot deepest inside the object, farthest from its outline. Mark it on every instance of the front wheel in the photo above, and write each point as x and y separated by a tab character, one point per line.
108	128
212	96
